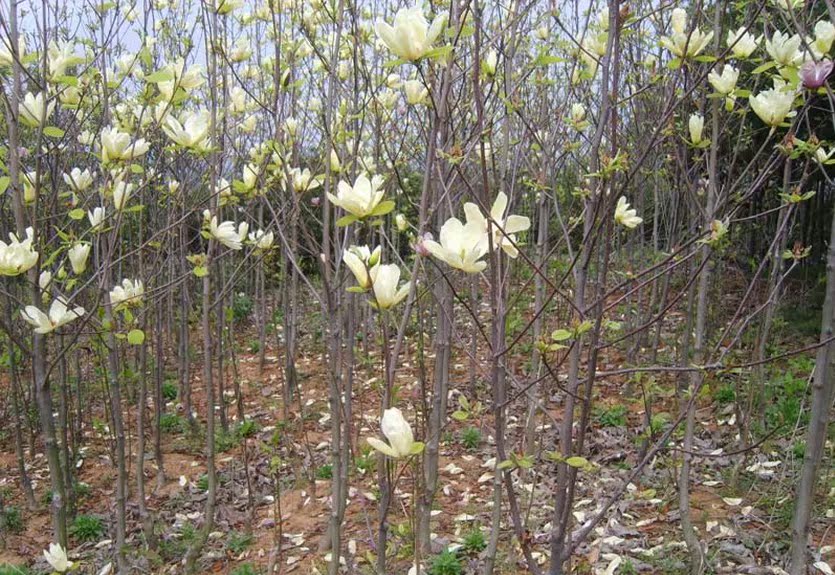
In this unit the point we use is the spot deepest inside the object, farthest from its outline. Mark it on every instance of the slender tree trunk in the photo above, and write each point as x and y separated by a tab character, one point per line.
823	390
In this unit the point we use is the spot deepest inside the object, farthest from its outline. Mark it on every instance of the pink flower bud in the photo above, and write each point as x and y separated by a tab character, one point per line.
814	74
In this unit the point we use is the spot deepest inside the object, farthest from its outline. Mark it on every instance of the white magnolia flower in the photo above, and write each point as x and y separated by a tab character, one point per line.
292	126
261	240
361	260
121	194
58	315
505	237
681	42
824	37
57	557
398	432
696	125
60	57
724	83
490	63
78	254
96	217
129	293
784	49
416	92
401	222
78	180
35	109
411	37
303	180
384	280
626	216
6	57
773	105
190	131
18	256
742	43
185	79
44	280
225	233
362	199
116	145
461	246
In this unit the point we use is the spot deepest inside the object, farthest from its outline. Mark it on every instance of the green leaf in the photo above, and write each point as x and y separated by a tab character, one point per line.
355	289
674	64
417	447
77	214
577	461
67	80
4	183
764	67
438	53
506	464
460	415
164	75
136	337
383	208
137	169
561	335
53	132
705	58
547	59
346	220
201	271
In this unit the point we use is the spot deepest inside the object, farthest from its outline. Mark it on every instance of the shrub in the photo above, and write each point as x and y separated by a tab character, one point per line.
474	541
614	416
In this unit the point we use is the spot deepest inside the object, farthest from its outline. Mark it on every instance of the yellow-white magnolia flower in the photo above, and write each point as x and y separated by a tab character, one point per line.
683	43
122	192
742	43
190	131
57	557
96	217
696	125
78	254
30	186
784	49
303	180
117	145
261	240
773	105
626	216
363	199
6	57
361	260
411	37
44	323
824	37
724	83
490	63
384	280
224	232
505	237
241	51
35	109
462	245
292	126
18	256
59	57
398	432
401	222
129	293
187	79
78	180
416	92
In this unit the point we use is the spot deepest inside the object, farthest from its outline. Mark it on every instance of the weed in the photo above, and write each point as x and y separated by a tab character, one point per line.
87	528
237	542
446	563
613	416
471	438
474	541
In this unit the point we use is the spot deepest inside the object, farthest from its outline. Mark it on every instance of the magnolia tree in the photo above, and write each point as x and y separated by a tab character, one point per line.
505	216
